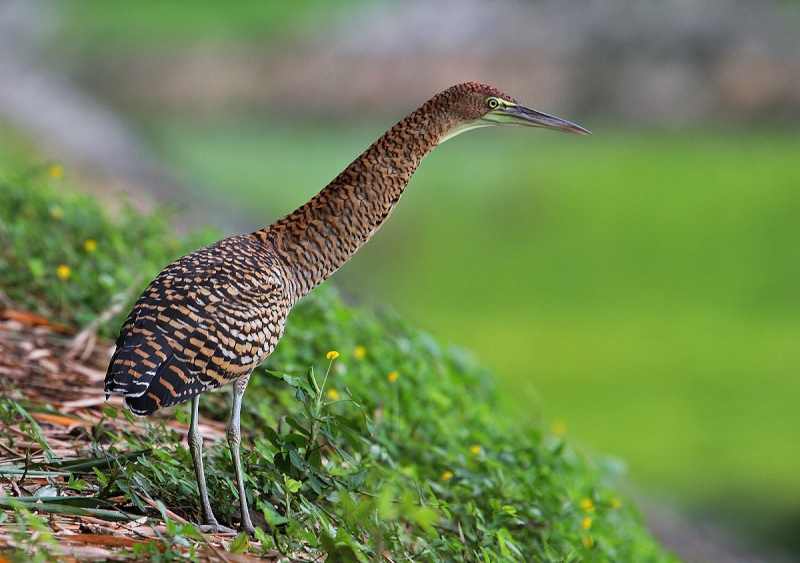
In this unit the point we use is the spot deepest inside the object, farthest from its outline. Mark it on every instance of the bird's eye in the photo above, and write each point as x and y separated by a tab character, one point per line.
492	103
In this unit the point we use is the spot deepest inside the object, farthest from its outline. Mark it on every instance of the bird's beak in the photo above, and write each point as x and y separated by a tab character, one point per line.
515	114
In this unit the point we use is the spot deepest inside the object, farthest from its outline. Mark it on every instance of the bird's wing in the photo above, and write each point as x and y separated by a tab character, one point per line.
185	336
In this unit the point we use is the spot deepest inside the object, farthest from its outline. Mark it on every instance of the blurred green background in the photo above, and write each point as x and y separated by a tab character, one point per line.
638	290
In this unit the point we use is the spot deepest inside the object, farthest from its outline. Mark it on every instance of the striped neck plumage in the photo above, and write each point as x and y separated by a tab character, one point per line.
321	235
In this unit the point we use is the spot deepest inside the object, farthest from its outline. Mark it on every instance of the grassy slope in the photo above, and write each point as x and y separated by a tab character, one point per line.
686	374
643	284
425	463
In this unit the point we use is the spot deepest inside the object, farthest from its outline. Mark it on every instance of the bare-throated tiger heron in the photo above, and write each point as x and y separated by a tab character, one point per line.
214	315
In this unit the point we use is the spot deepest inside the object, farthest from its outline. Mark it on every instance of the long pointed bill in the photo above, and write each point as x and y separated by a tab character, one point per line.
515	114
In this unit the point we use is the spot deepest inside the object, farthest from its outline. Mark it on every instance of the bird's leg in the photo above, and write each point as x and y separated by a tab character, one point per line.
210	523
234	441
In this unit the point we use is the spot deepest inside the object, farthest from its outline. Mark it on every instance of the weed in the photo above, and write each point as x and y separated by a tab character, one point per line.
32	539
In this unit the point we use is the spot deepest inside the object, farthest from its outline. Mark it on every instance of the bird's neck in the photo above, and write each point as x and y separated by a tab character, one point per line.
316	239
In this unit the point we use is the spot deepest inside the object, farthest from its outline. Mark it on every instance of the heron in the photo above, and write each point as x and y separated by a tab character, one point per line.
212	316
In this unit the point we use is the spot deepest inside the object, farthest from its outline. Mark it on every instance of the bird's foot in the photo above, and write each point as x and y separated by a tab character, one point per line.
215	528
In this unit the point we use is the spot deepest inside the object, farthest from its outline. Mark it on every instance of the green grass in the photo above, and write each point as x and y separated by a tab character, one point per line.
150	25
343	459
63	258
641	286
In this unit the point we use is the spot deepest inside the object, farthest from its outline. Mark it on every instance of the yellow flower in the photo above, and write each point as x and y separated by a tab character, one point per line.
333	394
55	171
587	504
615	503
359	352
392	377
332	355
63	272
558	427
447	475
90	245
56	212
475	449
587	541
586	524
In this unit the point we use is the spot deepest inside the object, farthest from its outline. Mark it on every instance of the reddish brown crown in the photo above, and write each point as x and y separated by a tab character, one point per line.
466	102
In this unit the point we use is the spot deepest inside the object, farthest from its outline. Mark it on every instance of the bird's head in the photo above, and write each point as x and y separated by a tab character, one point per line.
473	105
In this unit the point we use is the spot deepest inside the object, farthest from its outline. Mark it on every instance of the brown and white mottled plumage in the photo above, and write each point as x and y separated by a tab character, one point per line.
212	316
206	320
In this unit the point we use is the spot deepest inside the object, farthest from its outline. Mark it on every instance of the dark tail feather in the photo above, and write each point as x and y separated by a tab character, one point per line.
135	363
172	385
151	376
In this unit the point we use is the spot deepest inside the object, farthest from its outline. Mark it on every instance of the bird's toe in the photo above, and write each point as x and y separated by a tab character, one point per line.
216	529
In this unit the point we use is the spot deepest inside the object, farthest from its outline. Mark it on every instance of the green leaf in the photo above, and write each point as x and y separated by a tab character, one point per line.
270	434
292	485
55	506
77	484
356	480
277	374
297	461
101	478
296	425
313	386
108	462
240	544
291	380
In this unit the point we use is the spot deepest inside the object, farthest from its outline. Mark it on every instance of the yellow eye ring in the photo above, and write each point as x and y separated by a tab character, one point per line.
493	103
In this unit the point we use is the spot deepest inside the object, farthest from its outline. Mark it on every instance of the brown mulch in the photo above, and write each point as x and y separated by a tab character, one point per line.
64	394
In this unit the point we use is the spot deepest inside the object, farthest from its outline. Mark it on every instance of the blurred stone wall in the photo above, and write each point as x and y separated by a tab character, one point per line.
647	61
